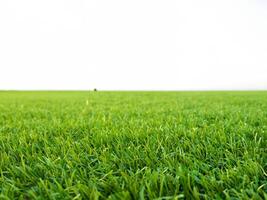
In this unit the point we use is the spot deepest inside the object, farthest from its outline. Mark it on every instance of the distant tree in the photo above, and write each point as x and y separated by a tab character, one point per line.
95	90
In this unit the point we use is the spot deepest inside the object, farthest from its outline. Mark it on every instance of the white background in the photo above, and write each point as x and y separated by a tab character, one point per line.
133	45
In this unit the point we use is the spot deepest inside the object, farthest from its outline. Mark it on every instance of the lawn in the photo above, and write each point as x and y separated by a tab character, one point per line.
133	145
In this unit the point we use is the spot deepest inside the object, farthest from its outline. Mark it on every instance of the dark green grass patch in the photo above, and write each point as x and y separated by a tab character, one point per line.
133	145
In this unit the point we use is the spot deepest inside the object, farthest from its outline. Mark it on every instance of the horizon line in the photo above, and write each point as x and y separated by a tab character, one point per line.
132	90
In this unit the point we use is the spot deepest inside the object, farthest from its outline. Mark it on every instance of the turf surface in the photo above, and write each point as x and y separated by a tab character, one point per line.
133	145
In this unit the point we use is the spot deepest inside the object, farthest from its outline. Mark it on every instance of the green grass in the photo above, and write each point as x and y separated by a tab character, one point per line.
133	145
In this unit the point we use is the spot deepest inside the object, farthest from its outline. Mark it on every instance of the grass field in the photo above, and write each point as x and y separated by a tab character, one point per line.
133	145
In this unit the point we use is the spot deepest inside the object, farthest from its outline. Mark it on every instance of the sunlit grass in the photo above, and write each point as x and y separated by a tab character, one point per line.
133	145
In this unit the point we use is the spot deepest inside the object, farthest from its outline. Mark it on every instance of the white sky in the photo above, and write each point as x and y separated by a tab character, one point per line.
133	45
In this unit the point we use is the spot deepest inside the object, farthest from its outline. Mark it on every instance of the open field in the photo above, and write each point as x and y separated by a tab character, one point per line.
133	145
